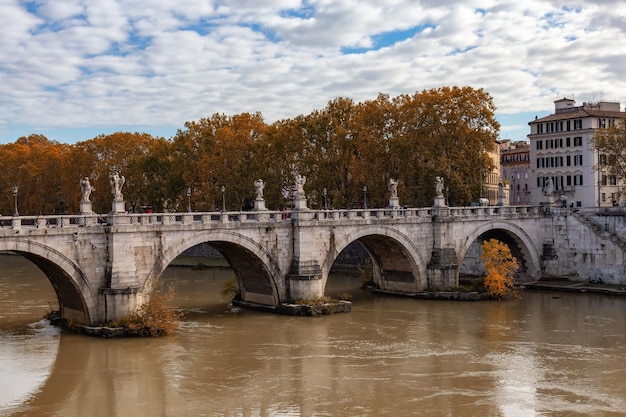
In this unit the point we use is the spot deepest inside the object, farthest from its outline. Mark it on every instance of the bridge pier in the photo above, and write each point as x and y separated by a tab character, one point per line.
443	268
305	274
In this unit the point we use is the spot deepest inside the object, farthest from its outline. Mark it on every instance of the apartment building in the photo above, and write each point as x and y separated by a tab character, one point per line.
515	170
561	149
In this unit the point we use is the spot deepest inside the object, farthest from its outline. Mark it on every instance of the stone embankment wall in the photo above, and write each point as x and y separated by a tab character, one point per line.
586	246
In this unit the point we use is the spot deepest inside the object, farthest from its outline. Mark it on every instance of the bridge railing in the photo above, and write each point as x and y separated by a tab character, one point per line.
208	217
396	212
54	221
83	220
493	210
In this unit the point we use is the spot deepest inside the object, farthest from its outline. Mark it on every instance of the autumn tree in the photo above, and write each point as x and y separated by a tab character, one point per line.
501	267
36	166
99	157
610	144
216	151
444	132
280	152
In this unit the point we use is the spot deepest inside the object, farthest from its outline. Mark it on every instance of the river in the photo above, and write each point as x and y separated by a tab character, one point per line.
546	354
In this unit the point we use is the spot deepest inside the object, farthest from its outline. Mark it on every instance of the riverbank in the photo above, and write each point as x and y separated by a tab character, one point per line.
565	285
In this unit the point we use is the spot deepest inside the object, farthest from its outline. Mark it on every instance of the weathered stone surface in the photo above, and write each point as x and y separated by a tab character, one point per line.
102	267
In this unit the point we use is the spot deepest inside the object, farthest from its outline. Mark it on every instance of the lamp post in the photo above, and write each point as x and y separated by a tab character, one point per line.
223	198
15	191
325	194
365	197
188	199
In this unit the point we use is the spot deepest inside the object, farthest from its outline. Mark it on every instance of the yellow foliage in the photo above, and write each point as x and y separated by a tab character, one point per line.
501	266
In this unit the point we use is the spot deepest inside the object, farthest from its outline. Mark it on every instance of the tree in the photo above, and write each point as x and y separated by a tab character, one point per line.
444	132
501	267
36	166
610	144
99	157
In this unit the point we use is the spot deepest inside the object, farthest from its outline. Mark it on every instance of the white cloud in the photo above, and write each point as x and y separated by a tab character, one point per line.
111	64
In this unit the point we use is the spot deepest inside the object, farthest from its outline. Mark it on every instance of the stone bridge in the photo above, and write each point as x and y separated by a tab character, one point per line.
103	266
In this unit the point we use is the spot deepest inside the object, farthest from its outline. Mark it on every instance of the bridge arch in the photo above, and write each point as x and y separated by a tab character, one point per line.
518	240
396	261
257	273
77	301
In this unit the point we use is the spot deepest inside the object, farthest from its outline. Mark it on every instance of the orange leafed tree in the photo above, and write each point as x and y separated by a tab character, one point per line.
501	266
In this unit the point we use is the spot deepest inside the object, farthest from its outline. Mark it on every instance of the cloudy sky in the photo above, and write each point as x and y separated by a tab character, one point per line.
74	69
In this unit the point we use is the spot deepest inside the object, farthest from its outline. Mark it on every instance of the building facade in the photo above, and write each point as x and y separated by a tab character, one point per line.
562	156
515	170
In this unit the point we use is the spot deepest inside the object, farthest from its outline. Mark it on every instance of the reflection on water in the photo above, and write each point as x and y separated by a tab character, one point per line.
538	356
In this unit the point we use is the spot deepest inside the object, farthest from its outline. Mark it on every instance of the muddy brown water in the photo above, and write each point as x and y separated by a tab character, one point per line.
546	354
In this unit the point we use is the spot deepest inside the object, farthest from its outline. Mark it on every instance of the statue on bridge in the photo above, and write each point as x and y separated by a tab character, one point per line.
439	187
300	181
393	188
549	189
86	189
259	186
117	182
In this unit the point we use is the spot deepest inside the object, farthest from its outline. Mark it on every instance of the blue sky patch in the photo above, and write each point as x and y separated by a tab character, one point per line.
386	39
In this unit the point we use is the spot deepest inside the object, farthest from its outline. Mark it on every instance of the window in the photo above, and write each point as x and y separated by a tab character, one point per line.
578	124
540	128
613	180
559	126
578	160
569	126
602	123
604	181
558	182
578	180
568	180
539	144
603	197
602	159
578	141
568	142
568	158
540	163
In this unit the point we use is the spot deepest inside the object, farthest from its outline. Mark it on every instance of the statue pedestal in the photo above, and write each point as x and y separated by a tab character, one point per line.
118	206
259	204
85	207
549	199
394	202
440	202
300	204
501	201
